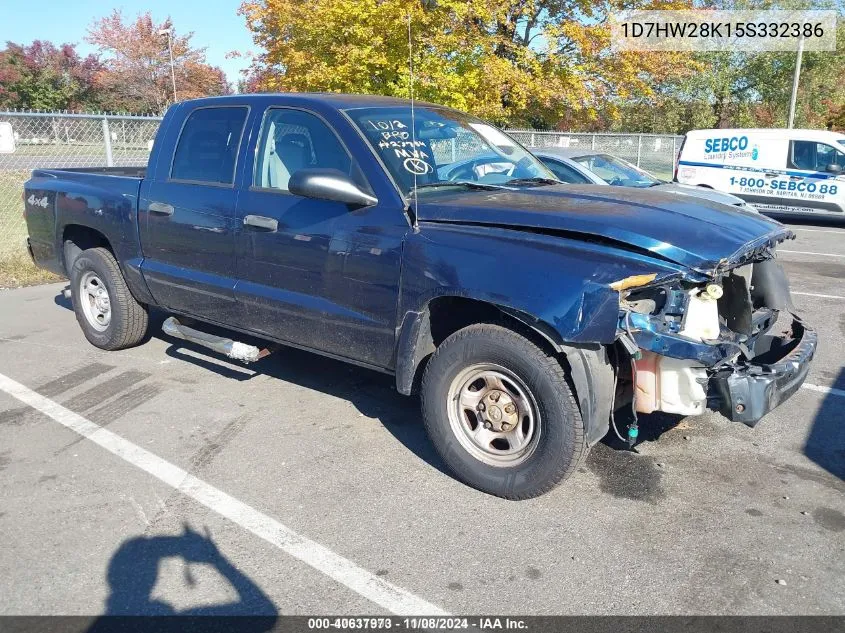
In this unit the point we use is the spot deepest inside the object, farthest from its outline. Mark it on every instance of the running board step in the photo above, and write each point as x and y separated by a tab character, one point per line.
226	346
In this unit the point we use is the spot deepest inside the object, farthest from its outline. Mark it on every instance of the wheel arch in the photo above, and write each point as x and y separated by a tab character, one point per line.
77	238
588	365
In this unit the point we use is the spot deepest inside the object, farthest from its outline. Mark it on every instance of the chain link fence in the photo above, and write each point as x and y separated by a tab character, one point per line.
55	140
655	153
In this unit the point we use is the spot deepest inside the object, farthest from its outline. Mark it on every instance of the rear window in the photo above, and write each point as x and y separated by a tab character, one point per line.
208	145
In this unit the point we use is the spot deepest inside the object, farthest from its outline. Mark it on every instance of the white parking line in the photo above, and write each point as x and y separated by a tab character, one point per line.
795	228
372	587
814	294
812	253
827	390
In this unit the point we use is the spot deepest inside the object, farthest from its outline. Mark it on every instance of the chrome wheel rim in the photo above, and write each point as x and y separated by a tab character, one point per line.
494	415
95	301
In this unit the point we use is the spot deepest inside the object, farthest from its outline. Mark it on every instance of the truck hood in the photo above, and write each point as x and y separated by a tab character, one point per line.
701	192
694	232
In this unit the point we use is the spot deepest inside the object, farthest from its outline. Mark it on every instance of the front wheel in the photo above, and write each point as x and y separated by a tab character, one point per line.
108	314
500	413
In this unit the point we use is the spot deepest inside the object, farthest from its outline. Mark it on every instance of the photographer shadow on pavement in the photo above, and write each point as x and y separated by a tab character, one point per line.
134	573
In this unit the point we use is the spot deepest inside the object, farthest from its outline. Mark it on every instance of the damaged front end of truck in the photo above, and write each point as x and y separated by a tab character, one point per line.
723	337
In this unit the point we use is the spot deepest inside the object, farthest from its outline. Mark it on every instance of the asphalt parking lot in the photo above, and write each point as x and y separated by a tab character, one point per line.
336	503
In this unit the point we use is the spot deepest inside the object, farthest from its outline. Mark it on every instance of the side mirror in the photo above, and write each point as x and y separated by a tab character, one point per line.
328	184
833	168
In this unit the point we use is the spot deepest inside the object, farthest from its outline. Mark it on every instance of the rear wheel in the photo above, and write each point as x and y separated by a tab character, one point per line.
500	412
108	314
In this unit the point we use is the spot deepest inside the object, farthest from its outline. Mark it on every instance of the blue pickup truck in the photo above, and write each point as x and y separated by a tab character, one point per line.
524	311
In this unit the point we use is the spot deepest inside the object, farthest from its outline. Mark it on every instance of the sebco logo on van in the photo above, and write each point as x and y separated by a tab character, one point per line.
728	143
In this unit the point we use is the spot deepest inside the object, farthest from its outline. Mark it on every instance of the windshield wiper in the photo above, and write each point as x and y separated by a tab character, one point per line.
481	186
537	180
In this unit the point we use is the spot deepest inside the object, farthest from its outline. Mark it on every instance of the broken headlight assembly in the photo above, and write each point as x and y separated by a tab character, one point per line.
715	342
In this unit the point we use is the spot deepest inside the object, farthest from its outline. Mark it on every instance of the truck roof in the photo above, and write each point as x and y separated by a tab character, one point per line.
338	100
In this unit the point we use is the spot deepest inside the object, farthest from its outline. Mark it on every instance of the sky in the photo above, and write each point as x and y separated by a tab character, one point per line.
215	23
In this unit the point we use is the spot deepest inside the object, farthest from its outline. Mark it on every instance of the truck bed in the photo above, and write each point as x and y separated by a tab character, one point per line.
131	171
104	199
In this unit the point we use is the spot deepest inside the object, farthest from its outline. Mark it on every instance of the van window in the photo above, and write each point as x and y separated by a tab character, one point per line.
208	145
292	140
812	156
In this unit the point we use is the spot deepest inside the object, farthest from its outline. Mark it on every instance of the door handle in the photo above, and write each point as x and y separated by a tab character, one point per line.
796	177
162	208
770	174
261	222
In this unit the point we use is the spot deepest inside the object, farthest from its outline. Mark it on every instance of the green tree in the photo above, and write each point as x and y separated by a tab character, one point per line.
516	62
136	75
821	93
44	76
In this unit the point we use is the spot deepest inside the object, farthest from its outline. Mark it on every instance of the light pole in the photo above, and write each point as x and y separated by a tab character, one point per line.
795	79
168	32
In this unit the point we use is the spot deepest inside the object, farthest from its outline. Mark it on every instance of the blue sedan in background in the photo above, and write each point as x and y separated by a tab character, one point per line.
580	166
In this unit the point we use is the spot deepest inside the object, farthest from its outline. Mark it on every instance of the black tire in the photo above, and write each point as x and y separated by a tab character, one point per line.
129	319
561	444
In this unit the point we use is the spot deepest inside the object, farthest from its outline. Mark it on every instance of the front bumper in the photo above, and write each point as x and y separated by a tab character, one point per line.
747	390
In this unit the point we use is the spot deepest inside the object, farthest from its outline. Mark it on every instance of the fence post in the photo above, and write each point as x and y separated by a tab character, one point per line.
107	142
639	148
454	152
674	154
593	141
533	142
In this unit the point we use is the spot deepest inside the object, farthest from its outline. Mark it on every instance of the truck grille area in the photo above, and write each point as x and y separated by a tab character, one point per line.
753	295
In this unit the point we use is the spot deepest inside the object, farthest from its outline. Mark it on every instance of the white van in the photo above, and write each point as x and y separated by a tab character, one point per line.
778	171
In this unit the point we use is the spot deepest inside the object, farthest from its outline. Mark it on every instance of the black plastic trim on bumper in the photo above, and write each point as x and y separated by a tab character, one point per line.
747	391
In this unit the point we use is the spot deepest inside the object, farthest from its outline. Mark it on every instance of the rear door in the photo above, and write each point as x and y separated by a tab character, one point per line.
732	161
754	170
315	273
187	214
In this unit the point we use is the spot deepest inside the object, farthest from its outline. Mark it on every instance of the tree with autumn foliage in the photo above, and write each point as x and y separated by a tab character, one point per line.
136	74
516	62
43	76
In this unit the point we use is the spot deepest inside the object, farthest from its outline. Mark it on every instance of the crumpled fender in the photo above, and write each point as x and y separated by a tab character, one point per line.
563	286
559	287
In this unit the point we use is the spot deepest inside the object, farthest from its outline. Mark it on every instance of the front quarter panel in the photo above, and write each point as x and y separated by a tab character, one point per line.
563	284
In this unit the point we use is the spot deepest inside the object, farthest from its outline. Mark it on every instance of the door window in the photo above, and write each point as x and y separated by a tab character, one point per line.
208	145
565	172
812	156
292	140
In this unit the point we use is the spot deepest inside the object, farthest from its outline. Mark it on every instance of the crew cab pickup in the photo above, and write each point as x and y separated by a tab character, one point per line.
524	311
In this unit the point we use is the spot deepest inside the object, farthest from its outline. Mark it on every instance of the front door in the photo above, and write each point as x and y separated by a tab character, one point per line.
813	184
187	217
315	273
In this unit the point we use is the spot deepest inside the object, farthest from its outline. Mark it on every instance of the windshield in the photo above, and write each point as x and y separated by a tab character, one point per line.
446	147
616	171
